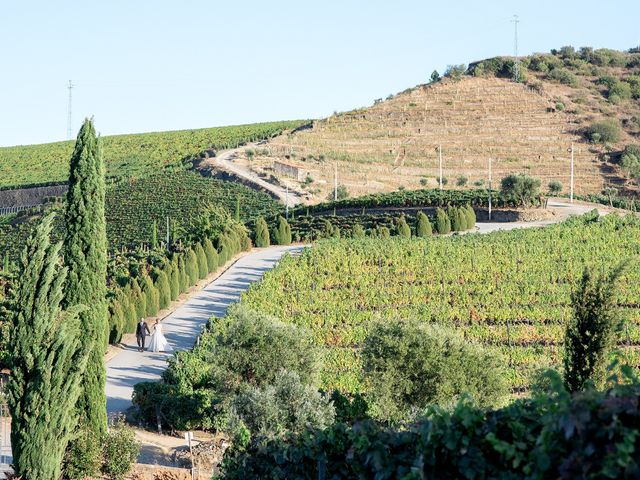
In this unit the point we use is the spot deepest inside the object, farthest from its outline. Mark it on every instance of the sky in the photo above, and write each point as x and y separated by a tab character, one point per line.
143	65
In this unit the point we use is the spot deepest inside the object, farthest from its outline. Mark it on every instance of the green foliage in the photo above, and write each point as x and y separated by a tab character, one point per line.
131	156
458	219
423	225
470	214
462	180
590	435
286	406
83	457
411	366
246	348
154	234
120	450
151	295
443	222
358	231
174	276
435	77
555	187
605	131
591	333
261	235
455	72
340	193
211	254
117	322
47	361
282	235
203	265
164	289
404	230
520	190
191	265
563	76
85	255
622	90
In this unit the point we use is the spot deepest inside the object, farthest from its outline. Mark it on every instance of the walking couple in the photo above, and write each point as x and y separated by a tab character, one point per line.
157	342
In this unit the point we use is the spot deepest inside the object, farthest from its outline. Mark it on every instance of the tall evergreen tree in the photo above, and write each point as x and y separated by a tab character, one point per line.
262	233
591	333
423	225
47	363
85	255
164	288
283	232
443	223
174	279
212	255
403	228
154	235
237	213
203	266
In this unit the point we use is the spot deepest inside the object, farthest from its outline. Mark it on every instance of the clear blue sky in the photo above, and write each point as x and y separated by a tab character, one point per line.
142	65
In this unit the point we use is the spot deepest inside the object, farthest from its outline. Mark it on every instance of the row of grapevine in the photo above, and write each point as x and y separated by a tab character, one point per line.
129	156
509	290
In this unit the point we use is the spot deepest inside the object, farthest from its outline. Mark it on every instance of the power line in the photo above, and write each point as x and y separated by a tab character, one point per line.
516	62
69	117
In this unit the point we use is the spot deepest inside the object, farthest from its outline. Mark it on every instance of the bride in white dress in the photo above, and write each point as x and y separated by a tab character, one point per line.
158	342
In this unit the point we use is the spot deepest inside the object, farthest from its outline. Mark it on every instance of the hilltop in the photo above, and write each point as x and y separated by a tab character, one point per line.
476	113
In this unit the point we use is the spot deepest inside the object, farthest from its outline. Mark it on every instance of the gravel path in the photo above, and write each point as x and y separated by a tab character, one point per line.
182	326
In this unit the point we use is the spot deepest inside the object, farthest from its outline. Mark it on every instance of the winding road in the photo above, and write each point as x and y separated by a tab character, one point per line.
183	326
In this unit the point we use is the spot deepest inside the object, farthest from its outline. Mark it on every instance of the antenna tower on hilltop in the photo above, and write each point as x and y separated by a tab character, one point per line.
516	61
69	118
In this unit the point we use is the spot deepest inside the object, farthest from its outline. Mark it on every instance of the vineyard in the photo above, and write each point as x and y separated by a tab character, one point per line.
129	155
508	290
133	206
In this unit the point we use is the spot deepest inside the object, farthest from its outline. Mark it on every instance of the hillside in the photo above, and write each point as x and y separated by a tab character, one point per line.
129	156
476	114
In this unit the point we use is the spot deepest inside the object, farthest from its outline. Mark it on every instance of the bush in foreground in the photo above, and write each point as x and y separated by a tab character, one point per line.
411	366
555	435
606	131
521	190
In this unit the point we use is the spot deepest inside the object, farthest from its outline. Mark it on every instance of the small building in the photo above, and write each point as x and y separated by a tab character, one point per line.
291	170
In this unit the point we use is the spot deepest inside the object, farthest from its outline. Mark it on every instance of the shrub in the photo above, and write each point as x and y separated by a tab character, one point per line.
191	264
382	232
212	255
83	456
120	450
286	406
591	333
410	366
282	235
564	76
340	193
620	89
443	223
606	131
403	229
424	181
164	289
462	180
423	225
261	236
559	106
435	76
455	72
203	266
521	189
555	187
357	231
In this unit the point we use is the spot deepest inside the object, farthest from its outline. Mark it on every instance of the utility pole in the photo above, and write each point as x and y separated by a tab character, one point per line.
69	118
571	190
335	183
489	188
168	237
440	161
516	61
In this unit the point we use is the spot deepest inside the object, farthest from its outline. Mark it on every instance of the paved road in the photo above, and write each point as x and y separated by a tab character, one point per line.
183	326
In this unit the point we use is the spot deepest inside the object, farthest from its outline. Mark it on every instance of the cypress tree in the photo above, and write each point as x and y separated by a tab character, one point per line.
283	233
47	363
223	250
237	215
192	267
382	232
154	235
116	322
404	230
443	223
140	301
203	267
164	289
454	217
184	276
463	219
471	217
5	263
423	225
174	279
262	233
212	255
357	231
151	295
85	255
128	305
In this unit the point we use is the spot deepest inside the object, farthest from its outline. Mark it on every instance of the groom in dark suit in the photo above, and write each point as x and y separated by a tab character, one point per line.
142	330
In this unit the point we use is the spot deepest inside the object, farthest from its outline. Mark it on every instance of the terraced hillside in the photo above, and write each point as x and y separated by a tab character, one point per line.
474	116
129	156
